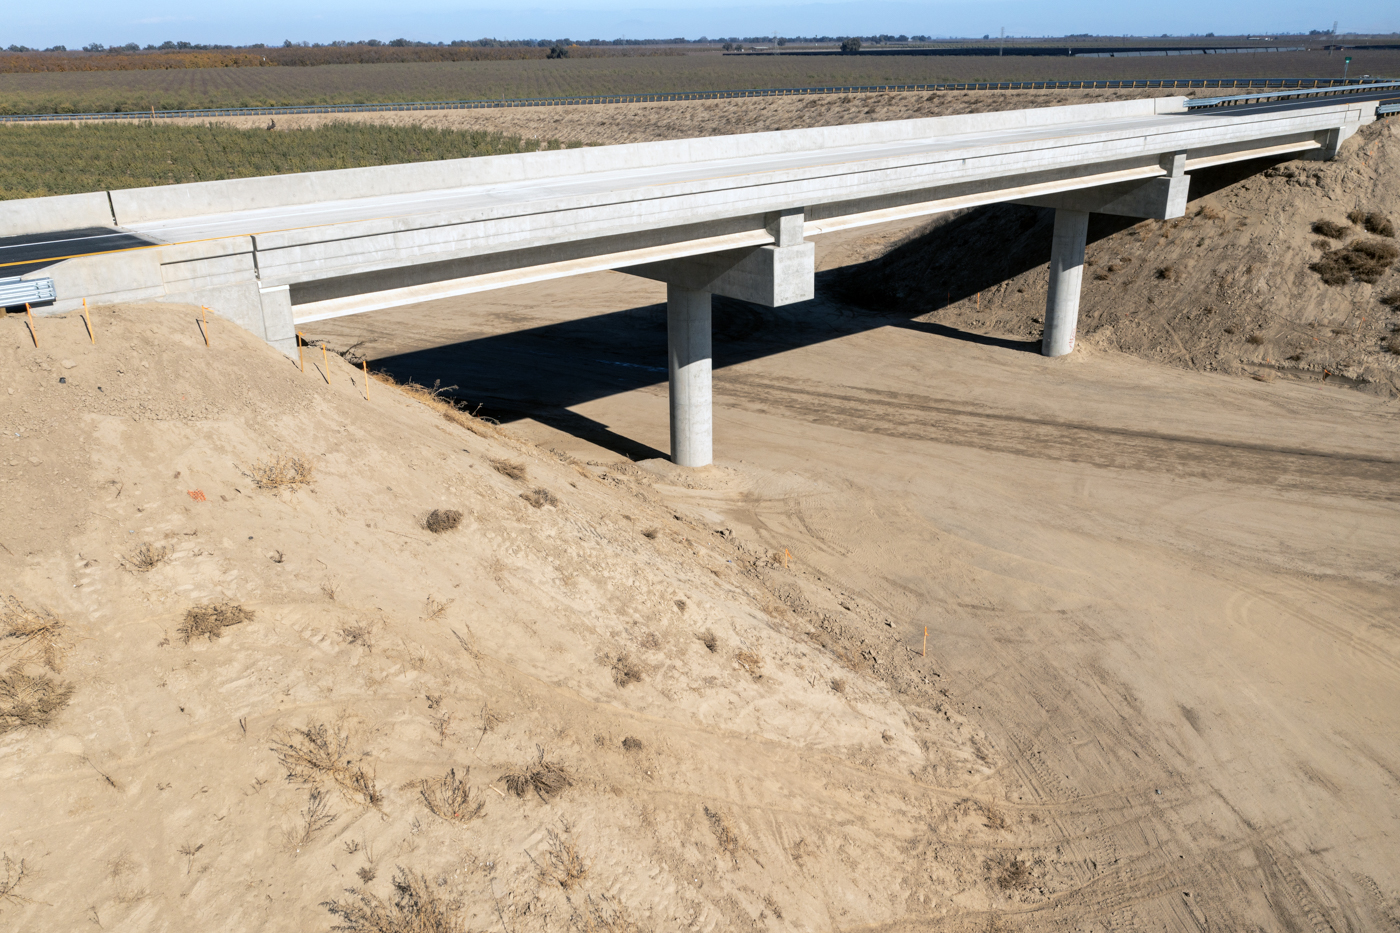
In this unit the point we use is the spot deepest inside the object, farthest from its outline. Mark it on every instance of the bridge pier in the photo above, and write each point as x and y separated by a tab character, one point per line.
1066	277
688	363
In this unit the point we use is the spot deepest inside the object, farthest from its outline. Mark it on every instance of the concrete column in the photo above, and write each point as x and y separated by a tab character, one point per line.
1066	274
688	352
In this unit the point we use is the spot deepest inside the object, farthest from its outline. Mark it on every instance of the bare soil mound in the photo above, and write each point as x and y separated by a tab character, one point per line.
1277	270
276	655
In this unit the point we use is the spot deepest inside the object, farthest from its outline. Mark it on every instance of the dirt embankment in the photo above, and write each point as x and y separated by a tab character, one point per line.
1247	282
268	643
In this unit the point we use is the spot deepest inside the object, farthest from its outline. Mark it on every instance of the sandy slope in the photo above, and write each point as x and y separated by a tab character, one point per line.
483	649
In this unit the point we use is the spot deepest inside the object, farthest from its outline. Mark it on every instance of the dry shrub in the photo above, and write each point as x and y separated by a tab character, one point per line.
547	779
625	670
451	798
1373	222
416	907
316	754
1255	339
211	619
709	640
14	875
1209	212
147	556
1363	260
993	818
838	684
751	662
724	832
284	471
359	633
39	636
316	817
1393	345
563	865
442	520
1010	873
601	915
650	533
540	497
30	700
1166	273
1330	229
511	469
1391	301
633	745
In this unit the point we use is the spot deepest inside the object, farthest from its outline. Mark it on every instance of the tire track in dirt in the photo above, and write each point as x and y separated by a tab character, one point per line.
919	417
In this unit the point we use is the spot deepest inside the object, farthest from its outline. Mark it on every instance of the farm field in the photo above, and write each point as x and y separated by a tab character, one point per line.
89	92
69	159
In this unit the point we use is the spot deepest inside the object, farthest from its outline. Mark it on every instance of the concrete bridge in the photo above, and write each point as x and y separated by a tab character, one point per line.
729	215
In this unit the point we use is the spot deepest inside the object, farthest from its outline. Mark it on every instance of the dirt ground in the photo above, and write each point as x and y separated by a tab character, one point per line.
951	637
609	124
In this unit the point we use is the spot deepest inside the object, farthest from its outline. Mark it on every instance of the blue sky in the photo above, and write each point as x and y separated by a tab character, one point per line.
77	22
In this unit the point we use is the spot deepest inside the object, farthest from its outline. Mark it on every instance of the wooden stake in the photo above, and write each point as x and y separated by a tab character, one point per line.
326	360
205	317
365	363
33	334
925	654
87	319
301	357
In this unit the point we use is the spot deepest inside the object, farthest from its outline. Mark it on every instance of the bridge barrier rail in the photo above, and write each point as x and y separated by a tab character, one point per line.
1320	85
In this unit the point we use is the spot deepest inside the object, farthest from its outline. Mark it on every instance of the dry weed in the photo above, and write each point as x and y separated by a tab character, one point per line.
27	700
211	619
650	533
540	497
563	865
1010	873
1391	301
1363	260
14	875
546	779
993	818
709	640
359	633
1393	345
751	662
838	684
451	798
147	556
625	670
39	636
603	916
633	745
442	520
435	608
1209	212
1255	339
1373	222
511	469
318	753
284	471
1166	273
189	851
725	835
416	907
1330	229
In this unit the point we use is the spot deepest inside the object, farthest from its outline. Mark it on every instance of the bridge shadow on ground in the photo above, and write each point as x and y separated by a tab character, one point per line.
543	372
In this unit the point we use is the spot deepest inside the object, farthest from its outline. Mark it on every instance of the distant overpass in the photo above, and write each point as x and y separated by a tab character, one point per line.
727	215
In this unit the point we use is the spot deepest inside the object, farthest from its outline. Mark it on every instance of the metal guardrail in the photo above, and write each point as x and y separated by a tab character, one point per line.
1277	84
1388	108
17	291
1288	94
